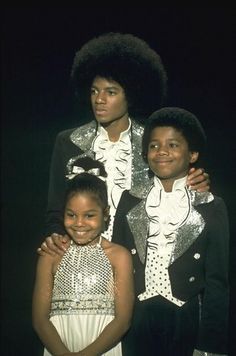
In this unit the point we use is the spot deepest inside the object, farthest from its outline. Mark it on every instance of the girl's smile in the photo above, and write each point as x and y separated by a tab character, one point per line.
84	218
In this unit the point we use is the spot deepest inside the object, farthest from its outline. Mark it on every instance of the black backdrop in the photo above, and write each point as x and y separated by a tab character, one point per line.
38	46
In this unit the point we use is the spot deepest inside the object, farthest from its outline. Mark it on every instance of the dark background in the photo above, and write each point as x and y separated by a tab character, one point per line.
38	46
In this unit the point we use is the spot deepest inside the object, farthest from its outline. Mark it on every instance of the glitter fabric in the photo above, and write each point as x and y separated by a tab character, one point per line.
166	211
129	173
83	283
185	234
84	136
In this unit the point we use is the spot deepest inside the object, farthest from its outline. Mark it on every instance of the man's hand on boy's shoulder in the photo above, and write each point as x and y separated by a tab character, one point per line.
198	180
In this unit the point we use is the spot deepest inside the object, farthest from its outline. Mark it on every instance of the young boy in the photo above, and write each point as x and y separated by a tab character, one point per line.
179	241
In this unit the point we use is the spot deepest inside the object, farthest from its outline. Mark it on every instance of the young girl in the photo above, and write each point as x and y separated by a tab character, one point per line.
82	302
179	241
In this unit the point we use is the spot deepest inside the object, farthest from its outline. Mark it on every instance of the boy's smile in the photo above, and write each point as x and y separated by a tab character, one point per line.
168	154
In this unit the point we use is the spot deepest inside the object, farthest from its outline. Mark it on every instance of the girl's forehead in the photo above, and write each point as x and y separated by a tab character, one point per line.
81	201
83	195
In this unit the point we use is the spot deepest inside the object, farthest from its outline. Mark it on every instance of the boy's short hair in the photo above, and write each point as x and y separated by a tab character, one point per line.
182	120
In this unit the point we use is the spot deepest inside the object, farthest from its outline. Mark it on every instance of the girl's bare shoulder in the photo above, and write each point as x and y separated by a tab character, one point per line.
48	261
115	251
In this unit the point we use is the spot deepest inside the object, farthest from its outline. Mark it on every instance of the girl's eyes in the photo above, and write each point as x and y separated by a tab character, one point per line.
89	216
70	215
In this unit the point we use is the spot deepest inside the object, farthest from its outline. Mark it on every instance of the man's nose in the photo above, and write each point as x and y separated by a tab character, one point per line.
100	98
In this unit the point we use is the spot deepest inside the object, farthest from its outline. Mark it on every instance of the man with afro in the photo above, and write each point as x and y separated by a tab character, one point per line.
119	80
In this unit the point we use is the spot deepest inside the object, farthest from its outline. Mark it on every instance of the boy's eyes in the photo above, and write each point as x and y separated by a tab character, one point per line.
153	146
157	146
174	144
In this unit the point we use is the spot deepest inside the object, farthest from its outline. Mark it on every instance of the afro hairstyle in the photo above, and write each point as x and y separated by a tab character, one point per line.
127	60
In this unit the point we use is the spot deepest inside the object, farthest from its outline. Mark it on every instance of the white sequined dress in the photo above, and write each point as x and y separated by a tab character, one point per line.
83	297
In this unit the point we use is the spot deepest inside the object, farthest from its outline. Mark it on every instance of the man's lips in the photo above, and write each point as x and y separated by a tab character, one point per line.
100	112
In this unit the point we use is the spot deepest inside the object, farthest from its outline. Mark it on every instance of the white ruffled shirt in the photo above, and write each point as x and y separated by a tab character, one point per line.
117	159
167	211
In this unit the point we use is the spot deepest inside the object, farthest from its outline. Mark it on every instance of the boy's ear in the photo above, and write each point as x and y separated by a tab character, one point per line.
193	157
106	213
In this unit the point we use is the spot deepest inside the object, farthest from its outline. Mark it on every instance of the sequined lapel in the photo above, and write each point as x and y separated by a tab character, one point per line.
83	138
188	233
84	135
139	168
138	222
193	226
185	235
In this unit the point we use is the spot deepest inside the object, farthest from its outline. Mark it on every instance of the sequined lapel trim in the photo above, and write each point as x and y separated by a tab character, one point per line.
138	222
198	198
194	225
84	135
139	168
185	235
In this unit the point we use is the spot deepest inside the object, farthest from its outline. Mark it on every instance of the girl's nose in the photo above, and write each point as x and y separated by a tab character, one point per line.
79	221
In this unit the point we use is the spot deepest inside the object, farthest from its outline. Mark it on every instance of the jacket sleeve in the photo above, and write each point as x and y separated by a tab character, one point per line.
63	150
213	328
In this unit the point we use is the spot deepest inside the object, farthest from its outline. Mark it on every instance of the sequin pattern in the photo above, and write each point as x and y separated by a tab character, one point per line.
136	171
83	283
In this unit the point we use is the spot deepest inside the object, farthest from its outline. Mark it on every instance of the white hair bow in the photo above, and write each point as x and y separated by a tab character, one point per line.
78	170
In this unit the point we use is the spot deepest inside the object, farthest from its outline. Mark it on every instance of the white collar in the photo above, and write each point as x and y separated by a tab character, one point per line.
124	135
179	184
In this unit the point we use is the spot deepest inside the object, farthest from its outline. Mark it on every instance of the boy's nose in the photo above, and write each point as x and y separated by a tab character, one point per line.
163	150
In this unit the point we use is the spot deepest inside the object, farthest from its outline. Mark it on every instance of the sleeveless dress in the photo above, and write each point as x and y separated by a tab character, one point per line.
83	297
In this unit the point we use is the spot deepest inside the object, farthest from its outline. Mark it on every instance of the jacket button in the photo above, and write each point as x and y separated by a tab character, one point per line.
197	256
133	251
192	279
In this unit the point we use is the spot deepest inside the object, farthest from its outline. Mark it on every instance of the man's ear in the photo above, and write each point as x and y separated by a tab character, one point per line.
193	157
